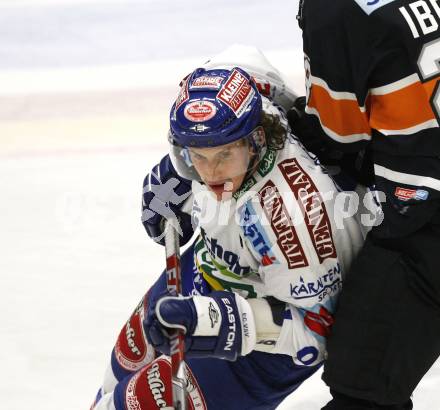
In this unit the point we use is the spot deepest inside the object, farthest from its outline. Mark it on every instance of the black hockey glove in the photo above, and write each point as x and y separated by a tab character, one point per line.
305	129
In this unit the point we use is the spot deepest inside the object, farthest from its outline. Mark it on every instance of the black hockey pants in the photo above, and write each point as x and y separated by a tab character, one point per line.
387	329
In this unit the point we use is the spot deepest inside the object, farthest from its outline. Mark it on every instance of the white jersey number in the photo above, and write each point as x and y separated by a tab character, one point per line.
429	67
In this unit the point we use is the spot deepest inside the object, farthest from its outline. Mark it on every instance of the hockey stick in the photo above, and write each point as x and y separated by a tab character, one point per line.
174	285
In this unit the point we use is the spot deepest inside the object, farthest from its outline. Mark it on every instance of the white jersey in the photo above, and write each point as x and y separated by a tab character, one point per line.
282	236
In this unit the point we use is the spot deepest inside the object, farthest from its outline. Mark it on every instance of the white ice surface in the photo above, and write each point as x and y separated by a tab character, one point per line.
75	261
74	258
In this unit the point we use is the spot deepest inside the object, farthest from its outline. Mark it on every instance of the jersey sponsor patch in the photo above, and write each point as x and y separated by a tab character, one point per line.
320	322
281	223
200	111
245	187
312	206
229	258
196	399
256	235
207	81
325	285
370	5
405	194
131	350
154	381
151	388
236	93
267	162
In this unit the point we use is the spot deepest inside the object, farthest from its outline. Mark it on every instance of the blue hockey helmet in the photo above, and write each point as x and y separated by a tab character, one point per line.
214	107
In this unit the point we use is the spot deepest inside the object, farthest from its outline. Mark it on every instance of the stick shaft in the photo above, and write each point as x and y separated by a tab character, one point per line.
174	285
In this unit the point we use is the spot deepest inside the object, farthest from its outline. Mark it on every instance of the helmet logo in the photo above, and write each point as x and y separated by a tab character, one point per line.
183	94
199	128
206	81
200	111
237	93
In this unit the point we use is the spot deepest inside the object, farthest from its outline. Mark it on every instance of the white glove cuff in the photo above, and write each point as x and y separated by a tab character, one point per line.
247	321
209	320
267	332
208	316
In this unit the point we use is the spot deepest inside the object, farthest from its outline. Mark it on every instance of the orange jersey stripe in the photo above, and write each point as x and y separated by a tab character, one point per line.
343	116
402	109
430	85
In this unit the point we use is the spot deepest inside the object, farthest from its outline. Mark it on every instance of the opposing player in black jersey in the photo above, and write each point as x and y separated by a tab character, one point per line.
372	74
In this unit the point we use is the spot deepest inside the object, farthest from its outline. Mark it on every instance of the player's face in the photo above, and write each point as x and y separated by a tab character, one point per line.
222	168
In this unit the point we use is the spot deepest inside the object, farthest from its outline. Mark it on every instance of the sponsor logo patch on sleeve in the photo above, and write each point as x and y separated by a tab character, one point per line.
405	194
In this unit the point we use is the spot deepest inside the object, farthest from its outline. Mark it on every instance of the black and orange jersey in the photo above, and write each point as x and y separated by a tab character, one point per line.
373	77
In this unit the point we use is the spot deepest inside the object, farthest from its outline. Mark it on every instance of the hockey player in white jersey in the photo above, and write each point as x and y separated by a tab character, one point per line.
261	279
